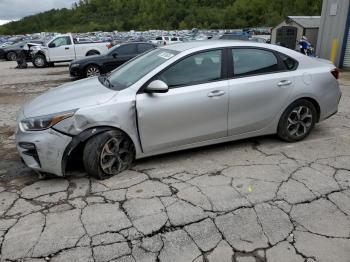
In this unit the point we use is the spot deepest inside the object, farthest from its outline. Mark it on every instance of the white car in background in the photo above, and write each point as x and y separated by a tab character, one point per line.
166	40
65	48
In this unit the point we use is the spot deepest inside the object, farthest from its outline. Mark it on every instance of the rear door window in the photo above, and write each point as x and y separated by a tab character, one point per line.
251	61
289	62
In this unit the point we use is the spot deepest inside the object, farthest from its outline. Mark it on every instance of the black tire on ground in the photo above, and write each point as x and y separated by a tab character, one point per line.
297	121
39	61
92	52
107	154
11	56
92	70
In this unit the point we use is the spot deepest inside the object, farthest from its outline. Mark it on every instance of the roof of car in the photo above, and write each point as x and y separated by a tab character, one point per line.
180	47
211	44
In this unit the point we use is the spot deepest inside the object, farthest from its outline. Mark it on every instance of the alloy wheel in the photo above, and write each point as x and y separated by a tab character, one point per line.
299	121
92	71
115	155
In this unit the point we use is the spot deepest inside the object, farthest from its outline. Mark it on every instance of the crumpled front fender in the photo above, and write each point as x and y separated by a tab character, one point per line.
78	139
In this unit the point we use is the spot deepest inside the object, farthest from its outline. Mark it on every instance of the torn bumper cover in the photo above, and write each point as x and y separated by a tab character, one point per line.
43	150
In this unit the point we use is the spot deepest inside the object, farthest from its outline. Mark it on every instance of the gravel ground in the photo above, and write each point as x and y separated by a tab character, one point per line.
254	200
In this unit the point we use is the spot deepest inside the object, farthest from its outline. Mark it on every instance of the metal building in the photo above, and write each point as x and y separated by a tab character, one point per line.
334	38
289	32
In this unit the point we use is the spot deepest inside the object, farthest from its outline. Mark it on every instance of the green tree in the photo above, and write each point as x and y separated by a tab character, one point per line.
92	15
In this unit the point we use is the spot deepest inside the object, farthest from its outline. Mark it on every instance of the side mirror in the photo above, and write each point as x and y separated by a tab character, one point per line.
115	55
51	45
157	86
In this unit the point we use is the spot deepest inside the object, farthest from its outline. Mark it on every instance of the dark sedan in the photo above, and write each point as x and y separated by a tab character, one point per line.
102	64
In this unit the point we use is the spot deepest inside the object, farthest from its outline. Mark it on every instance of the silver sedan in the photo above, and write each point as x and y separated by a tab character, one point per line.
173	98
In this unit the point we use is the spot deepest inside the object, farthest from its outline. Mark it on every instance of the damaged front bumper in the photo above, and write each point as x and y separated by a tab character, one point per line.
43	151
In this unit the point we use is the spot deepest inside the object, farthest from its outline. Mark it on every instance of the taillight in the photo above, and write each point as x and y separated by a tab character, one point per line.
109	45
335	73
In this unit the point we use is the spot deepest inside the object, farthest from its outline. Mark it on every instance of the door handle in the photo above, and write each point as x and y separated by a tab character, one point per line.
216	93
284	83
67	48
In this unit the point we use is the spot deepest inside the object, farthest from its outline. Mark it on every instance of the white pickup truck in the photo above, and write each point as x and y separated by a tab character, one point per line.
65	48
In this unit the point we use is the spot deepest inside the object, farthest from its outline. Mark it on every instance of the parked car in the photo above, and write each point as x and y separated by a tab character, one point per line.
160	40
10	52
166	40
259	39
7	43
175	40
235	36
64	48
177	97
101	64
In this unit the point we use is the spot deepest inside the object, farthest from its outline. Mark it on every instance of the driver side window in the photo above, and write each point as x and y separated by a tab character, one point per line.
196	69
60	41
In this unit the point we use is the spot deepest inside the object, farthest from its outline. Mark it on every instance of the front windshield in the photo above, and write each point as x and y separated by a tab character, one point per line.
135	69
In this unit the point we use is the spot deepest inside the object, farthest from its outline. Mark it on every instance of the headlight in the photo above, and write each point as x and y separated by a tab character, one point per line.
74	65
44	122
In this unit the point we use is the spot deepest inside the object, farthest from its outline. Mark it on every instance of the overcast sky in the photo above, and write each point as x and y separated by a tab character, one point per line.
16	9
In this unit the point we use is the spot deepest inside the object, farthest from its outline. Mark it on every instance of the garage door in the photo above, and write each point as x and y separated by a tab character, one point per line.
346	62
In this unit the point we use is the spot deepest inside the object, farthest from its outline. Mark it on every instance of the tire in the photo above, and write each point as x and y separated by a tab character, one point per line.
39	61
297	121
92	70
108	154
92	52
11	56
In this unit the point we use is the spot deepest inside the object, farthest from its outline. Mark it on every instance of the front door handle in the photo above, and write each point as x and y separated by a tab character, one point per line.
284	83
67	48
216	93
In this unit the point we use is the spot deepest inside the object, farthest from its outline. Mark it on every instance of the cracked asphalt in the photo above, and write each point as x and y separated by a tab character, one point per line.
248	201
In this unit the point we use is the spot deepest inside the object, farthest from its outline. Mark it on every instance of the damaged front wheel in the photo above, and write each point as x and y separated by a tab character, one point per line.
39	61
108	154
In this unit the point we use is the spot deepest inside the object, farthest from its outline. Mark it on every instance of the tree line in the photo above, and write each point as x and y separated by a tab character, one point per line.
124	15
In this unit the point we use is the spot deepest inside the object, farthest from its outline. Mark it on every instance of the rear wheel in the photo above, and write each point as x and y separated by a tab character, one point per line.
92	70
108	154
11	56
39	61
297	121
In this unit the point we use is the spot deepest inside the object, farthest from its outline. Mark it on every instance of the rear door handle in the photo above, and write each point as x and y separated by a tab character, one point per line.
284	83
216	93
67	48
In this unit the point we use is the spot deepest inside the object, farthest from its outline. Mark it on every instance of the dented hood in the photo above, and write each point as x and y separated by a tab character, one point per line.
79	94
